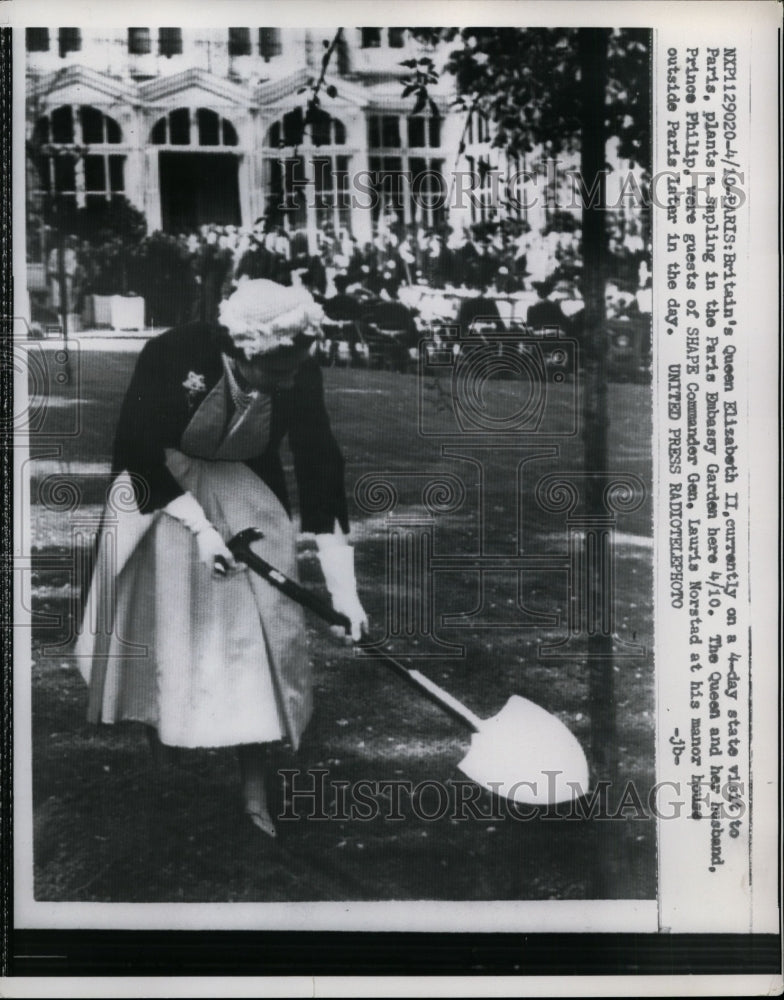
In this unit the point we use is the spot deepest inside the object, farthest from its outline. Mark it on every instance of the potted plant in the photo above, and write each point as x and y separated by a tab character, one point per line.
111	231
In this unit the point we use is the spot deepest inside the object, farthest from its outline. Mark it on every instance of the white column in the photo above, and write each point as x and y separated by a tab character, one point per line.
258	193
459	197
361	216
249	131
244	177
152	190
135	187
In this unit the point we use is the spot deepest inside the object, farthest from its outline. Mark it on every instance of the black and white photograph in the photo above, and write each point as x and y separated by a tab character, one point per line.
319	325
356	530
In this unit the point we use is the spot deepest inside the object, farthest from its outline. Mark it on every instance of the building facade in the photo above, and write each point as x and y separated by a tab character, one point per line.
204	126
196	127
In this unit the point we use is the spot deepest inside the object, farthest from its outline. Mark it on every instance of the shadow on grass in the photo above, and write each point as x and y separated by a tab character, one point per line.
108	826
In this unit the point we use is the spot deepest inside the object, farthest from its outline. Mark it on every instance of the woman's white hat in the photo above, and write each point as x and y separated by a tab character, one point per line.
273	314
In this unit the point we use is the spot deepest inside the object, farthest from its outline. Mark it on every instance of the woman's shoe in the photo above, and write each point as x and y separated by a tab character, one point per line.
262	821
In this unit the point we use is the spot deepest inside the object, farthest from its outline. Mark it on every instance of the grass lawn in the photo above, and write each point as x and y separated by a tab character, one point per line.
109	826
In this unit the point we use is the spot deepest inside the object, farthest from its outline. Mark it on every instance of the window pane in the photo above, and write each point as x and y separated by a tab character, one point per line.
92	124
158	136
428	188
116	173
113	133
416	132
94	174
239	41
139	41
66	211
37	39
170	41
42	172
293	127
229	133
418	189
435	132
341	178
417	165
388	186
374	133
179	127
338	132
391	131
439	191
269	43
41	131
208	127
396	37
295	201
276	183
320	128
70	40
371	38
322	174
64	174
62	124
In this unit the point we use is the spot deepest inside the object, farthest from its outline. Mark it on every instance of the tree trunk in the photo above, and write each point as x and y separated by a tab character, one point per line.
62	278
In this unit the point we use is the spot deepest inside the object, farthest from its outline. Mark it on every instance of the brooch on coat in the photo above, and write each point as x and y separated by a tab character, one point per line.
195	385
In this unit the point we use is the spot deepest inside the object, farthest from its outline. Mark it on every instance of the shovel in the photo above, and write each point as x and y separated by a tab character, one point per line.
523	753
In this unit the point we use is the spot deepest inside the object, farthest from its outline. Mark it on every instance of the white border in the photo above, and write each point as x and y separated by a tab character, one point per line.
542	916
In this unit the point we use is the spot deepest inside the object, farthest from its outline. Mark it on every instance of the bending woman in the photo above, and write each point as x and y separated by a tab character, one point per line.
202	656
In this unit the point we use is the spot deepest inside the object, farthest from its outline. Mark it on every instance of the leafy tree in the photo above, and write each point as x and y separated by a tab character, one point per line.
565	90
529	82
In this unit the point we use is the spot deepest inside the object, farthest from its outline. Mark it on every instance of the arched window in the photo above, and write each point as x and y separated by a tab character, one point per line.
312	185
77	157
290	130
79	124
193	127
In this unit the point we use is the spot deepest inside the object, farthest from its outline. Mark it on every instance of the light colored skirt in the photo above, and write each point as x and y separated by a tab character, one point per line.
207	661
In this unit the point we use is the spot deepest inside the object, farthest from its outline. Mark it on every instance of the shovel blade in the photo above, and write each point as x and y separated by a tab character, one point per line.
527	755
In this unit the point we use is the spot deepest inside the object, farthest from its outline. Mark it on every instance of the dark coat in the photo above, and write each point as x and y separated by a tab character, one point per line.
214	266
478	309
258	262
546	313
157	408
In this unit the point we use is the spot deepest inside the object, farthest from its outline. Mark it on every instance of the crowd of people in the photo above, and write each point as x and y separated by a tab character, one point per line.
365	289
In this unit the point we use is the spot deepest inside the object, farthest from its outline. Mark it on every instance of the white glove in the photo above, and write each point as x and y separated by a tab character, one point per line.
337	563
212	549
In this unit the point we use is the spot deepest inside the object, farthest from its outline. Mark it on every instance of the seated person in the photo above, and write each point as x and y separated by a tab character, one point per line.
481	310
342	307
619	303
549	310
390	331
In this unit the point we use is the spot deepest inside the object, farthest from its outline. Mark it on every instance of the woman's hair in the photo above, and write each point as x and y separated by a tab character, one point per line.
268	315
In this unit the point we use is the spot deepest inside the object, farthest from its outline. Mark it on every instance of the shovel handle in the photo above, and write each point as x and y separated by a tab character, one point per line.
446	700
243	552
